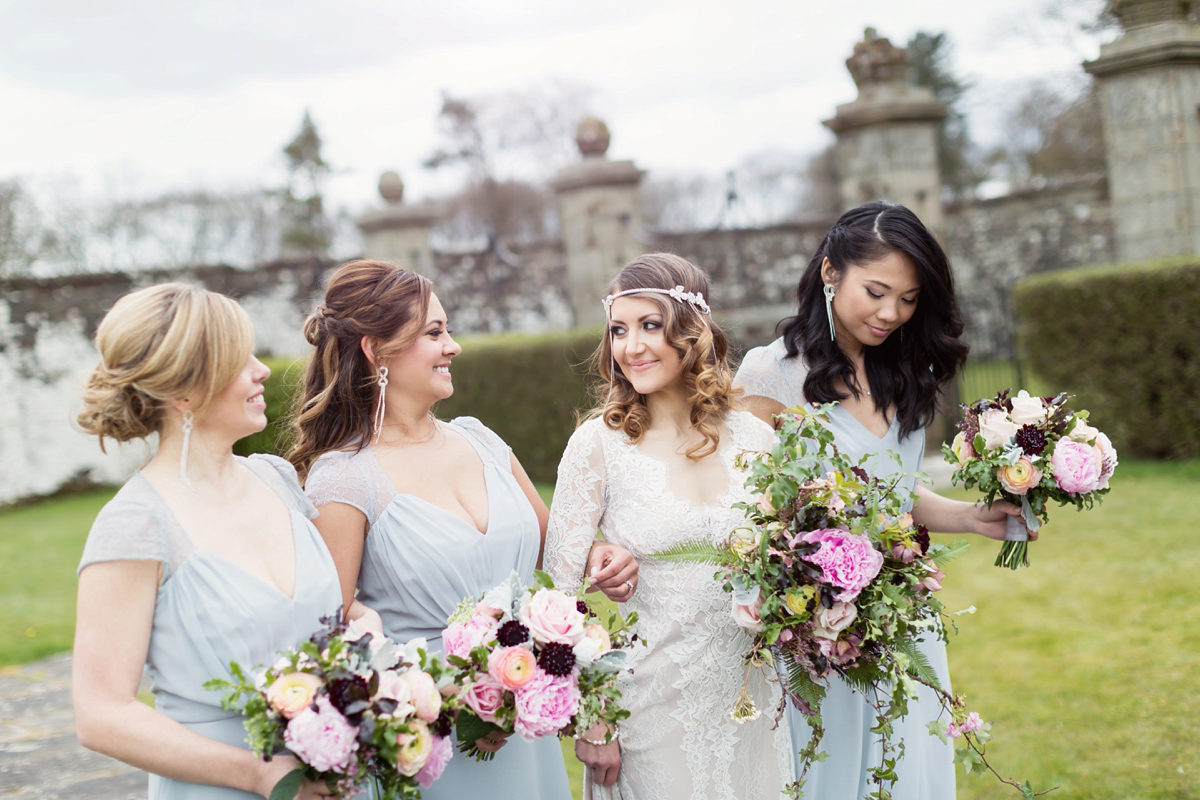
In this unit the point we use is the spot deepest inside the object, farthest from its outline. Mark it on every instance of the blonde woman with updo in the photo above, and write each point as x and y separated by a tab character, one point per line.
418	512
201	559
654	467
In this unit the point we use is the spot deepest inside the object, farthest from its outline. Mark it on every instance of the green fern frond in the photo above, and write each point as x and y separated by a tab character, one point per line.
919	664
801	683
946	556
696	552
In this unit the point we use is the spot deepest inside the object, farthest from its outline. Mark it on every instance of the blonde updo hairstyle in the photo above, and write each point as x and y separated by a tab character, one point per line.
160	345
336	405
702	346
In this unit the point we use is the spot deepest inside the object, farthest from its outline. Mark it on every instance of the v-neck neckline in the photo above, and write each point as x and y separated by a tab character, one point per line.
291	598
867	430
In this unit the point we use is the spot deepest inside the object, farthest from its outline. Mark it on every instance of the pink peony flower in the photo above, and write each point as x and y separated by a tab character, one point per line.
1106	454
322	738
830	622
1020	477
546	705
460	638
848	560
414	749
485	697
439	756
512	667
425	695
552	616
1076	468
747	616
996	428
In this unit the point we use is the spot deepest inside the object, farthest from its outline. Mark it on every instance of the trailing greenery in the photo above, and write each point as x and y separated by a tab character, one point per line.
1122	339
528	389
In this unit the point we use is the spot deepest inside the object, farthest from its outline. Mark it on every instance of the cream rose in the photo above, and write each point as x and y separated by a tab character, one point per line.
552	616
831	621
996	428
1027	410
425	695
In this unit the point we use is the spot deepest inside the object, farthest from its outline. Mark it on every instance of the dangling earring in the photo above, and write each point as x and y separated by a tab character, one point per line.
382	382
188	418
830	290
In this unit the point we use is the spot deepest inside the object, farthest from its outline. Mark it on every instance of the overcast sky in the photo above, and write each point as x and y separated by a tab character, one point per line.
135	96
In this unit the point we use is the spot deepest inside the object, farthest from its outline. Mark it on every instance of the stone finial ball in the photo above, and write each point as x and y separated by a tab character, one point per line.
391	188
592	137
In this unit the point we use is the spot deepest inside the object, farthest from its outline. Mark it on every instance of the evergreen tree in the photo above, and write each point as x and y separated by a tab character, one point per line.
306	228
930	53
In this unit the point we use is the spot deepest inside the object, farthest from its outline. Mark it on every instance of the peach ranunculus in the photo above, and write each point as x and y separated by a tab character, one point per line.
292	693
552	616
512	667
1020	477
425	695
414	748
962	449
996	428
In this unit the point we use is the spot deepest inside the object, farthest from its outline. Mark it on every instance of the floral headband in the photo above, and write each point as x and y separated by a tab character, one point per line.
679	294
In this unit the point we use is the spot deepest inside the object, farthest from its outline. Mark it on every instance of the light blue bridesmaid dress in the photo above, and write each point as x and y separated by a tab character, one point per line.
210	611
927	770
420	561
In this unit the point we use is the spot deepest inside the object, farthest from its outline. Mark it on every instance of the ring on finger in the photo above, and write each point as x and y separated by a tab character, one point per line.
630	585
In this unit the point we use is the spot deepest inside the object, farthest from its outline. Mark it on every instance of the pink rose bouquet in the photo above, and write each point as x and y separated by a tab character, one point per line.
1029	451
536	662
833	577
355	708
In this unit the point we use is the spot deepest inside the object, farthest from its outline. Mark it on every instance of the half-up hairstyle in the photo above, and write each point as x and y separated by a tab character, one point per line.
336	406
159	345
909	368
701	345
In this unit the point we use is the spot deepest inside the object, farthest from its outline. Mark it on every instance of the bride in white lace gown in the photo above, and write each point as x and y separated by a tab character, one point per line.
654	469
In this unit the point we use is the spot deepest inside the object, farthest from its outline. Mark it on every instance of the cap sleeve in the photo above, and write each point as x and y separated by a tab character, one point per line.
281	475
341	477
766	372
492	445
131	529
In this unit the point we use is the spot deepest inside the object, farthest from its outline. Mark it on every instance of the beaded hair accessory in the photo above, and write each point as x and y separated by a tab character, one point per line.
679	294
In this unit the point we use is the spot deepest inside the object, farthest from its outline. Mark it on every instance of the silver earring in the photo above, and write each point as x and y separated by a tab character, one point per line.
830	290
382	382
188	418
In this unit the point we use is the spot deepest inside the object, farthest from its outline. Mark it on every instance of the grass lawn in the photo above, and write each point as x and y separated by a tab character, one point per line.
1085	663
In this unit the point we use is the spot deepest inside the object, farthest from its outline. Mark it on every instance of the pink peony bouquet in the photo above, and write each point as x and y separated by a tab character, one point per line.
1030	450
356	708
833	577
535	661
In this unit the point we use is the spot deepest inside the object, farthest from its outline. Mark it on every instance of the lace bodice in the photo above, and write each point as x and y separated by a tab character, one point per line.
680	741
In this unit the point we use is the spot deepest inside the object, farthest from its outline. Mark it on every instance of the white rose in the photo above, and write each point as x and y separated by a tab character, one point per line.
1027	410
1082	432
996	428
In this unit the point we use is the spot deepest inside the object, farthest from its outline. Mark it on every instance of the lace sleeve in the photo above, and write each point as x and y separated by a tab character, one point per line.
281	475
579	502
759	375
338	477
494	447
130	529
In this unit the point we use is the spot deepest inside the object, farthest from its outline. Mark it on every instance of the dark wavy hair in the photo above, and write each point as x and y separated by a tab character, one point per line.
335	408
910	367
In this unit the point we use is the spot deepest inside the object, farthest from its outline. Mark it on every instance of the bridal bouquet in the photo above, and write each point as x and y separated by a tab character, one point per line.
832	576
1030	450
535	661
354	707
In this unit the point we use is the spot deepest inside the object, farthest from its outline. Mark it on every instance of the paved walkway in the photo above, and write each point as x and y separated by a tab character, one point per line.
40	758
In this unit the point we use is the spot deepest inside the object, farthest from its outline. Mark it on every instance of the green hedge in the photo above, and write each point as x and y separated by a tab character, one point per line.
1124	340
525	388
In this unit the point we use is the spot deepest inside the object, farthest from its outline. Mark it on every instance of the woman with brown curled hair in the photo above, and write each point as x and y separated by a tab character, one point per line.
201	559
654	467
419	513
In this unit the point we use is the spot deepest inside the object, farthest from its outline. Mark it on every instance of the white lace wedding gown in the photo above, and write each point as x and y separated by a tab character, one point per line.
680	740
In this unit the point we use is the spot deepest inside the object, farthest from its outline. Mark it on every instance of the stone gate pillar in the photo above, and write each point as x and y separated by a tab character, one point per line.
1150	97
399	233
887	139
601	214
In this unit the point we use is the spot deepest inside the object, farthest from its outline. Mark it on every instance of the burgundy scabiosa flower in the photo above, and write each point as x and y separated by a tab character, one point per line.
1031	440
557	658
512	633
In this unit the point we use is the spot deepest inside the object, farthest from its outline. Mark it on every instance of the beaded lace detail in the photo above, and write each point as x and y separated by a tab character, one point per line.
680	741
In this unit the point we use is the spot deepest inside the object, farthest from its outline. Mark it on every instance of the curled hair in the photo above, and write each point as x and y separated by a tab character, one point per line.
336	404
162	344
909	368
701	345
